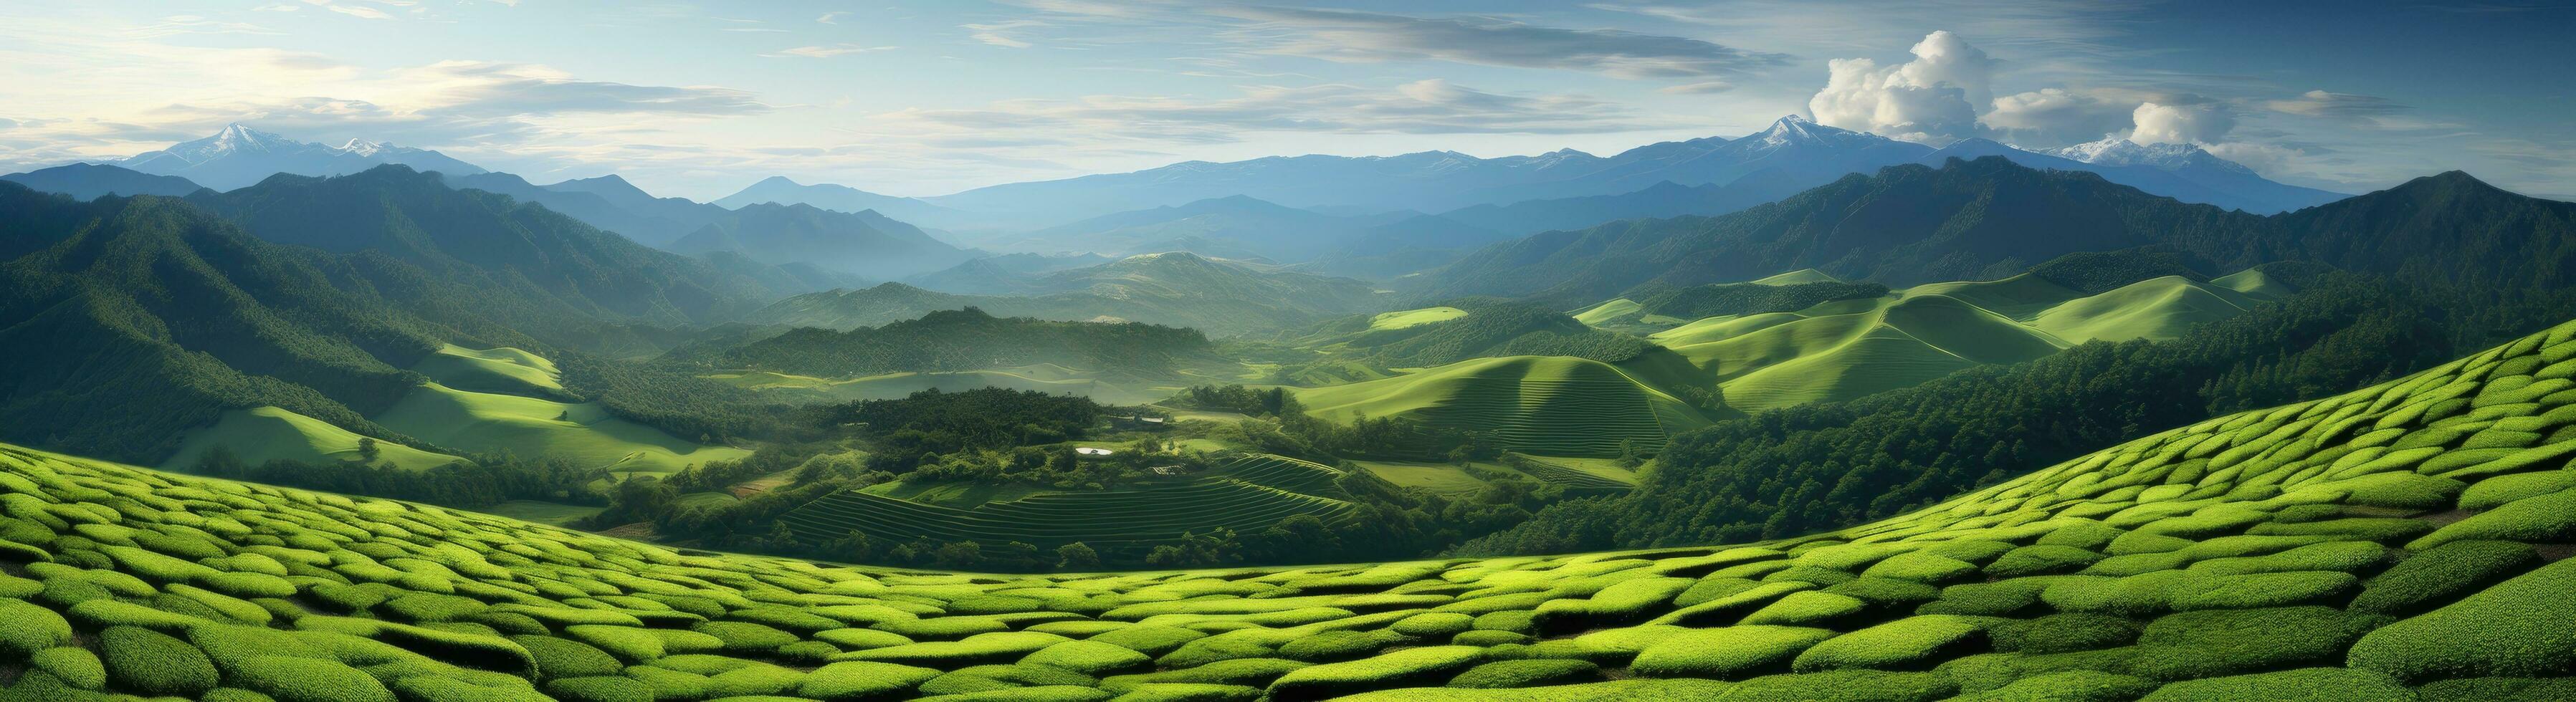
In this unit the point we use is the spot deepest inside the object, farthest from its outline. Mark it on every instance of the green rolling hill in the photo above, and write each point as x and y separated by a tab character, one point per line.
2400	542
1845	349
262	434
477	401
581	432
1550	405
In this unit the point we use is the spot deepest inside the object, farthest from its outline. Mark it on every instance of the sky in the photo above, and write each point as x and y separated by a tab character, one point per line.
932	97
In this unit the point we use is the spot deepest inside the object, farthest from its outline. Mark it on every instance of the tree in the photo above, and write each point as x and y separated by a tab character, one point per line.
1077	556
958	554
367	450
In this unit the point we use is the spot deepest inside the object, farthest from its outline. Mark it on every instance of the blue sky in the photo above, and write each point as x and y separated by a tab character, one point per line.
925	98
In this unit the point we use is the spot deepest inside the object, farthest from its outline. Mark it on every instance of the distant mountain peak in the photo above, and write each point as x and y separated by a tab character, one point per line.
2117	151
1796	130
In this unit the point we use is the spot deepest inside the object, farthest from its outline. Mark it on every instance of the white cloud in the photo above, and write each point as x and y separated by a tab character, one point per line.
1352	36
2051	116
832	17
1003	34
359	11
2204	123
1932	98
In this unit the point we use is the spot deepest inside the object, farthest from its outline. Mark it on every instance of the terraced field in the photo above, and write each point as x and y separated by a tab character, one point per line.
1544	405
1133	517
2403	542
1282	472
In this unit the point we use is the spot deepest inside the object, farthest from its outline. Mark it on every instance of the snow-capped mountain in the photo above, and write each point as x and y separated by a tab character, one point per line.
240	156
2229	183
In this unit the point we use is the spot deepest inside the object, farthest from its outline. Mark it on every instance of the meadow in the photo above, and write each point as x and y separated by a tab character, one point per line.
2406	541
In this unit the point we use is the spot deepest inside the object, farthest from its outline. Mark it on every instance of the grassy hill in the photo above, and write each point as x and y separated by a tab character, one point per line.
2401	542
1552	405
262	434
581	432
1850	348
485	401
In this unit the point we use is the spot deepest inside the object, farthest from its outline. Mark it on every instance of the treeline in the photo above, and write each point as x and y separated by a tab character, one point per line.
969	339
1822	466
485	481
684	405
930	423
1722	299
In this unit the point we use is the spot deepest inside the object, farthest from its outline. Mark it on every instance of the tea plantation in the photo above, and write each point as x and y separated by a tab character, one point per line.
2401	542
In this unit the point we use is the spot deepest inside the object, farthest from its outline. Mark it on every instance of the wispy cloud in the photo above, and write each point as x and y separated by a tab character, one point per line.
1347	35
1002	34
1419	107
359	11
825	51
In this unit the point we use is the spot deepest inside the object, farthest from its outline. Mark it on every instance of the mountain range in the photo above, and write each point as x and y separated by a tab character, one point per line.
1990	217
239	156
1792	154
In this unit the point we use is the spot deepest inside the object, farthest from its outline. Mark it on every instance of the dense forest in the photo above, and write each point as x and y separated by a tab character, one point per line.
968	339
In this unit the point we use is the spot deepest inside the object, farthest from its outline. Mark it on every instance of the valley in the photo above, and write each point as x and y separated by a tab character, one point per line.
1153	352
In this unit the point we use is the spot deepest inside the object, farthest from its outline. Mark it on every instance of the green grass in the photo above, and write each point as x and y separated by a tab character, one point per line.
1437	477
503	370
262	434
580	432
1548	405
1401	319
542	512
1802	275
2211	599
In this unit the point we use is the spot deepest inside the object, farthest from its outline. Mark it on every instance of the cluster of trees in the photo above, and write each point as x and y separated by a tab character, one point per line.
1827	465
684	405
1718	299
1058	467
968	339
483	482
932	423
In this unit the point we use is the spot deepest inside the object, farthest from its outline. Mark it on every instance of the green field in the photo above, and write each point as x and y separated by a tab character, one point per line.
1400	319
2401	542
502	370
262	434
580	432
1551	405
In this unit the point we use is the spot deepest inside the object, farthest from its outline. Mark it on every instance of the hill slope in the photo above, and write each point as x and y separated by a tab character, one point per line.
2398	542
1550	405
88	181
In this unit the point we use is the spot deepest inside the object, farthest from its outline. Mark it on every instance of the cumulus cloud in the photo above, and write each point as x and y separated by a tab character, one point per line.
1932	98
1354	36
2204	123
2057	116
